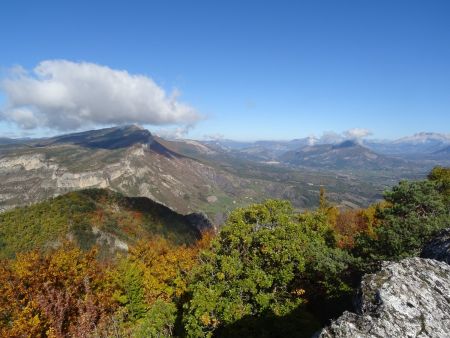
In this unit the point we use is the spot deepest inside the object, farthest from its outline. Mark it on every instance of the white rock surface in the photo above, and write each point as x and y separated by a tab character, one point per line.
410	298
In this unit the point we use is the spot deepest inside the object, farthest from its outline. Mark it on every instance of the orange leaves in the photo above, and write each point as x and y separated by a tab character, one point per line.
67	292
56	294
349	223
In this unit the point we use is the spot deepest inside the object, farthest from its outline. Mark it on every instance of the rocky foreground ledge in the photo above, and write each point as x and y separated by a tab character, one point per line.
410	298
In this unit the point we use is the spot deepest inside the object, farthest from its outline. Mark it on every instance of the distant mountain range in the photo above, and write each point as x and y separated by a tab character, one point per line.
423	149
421	143
348	155
210	176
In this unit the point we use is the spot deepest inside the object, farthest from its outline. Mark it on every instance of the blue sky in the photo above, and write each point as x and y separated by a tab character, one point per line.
254	69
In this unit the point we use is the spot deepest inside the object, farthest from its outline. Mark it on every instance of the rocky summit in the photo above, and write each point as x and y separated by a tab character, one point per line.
410	298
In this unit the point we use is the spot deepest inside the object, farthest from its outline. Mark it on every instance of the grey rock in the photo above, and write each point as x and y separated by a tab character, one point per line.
410	298
438	247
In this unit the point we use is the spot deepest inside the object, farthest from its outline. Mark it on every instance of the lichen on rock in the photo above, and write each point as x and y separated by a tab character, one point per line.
410	298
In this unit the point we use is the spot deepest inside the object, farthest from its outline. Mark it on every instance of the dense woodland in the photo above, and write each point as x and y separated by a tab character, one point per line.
269	272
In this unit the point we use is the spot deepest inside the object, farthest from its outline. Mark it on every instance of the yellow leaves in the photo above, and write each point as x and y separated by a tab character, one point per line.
205	241
51	333
165	267
205	319
24	263
26	322
298	292
208	320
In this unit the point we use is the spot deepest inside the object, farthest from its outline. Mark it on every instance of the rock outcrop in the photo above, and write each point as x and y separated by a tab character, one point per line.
410	298
438	248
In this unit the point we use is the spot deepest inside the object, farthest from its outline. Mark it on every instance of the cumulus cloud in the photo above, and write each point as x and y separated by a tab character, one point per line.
65	95
174	133
357	133
354	134
331	137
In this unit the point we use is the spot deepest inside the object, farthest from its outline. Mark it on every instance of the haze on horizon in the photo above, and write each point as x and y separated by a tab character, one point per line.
202	70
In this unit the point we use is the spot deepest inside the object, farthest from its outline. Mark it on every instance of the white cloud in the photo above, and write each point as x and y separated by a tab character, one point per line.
357	133
331	137
65	95
174	133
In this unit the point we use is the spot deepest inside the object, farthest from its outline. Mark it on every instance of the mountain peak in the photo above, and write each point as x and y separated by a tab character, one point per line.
107	138
346	144
131	127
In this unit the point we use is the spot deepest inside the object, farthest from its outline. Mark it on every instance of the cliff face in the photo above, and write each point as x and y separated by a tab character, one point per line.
410	298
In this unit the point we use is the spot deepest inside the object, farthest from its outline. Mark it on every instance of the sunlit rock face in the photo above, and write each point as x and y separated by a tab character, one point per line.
410	298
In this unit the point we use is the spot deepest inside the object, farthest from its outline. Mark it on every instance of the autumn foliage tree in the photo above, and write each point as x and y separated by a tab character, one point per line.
58	294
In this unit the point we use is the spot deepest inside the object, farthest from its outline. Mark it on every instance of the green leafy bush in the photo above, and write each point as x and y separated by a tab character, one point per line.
262	264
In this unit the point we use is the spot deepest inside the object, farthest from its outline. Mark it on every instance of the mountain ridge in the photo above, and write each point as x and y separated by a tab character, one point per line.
91	217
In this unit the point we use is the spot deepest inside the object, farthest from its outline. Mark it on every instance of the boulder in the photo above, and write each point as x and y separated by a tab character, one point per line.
410	298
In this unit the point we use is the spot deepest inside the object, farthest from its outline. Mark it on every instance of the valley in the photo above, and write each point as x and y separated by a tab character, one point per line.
201	176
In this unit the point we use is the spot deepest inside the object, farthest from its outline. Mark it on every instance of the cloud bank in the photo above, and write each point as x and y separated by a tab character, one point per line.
354	134
65	95
357	133
173	133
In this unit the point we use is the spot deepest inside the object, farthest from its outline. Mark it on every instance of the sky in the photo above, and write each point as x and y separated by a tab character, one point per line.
242	70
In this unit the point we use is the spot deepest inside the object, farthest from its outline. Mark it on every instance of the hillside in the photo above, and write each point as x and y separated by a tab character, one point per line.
93	217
